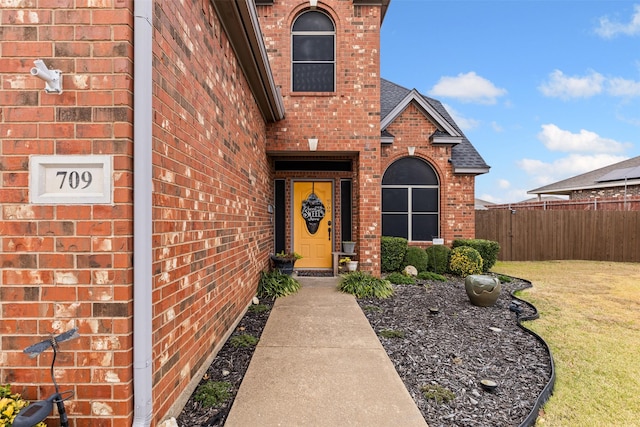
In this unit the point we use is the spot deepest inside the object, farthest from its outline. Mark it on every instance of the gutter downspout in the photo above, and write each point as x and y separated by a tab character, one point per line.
142	213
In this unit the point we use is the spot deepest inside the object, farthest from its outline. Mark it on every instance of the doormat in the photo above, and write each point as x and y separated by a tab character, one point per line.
315	273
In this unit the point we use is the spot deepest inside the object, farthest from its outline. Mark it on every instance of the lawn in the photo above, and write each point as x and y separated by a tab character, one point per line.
590	317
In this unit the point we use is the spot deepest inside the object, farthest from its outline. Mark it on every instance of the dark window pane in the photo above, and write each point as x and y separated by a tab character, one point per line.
395	225
313	21
424	227
313	78
410	171
424	200
313	48
395	200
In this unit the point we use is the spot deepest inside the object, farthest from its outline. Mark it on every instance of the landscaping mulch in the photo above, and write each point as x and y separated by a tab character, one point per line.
453	349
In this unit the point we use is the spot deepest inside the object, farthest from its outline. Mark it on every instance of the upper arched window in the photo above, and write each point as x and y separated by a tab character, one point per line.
313	53
411	200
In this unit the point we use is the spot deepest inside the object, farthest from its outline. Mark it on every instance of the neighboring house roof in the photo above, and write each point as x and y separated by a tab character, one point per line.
394	99
606	177
481	205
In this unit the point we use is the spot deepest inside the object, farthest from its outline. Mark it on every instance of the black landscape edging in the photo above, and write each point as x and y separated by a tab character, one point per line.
547	391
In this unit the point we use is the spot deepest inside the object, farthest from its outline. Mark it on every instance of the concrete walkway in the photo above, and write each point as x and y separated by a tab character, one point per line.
319	363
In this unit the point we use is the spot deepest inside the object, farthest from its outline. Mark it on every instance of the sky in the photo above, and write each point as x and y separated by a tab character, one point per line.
544	89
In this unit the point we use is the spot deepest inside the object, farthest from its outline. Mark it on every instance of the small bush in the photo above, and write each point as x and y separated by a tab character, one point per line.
244	340
274	284
488	250
400	279
10	405
438	258
438	393
504	279
417	257
364	285
391	333
213	393
392	251
429	275
258	308
465	260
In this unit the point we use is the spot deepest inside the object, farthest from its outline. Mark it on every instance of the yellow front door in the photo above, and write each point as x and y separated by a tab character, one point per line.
312	219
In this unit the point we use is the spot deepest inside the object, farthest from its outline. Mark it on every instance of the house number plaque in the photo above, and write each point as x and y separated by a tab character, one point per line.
313	212
70	180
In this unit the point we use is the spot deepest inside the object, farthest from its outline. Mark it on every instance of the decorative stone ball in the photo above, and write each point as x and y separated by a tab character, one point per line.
482	290
410	270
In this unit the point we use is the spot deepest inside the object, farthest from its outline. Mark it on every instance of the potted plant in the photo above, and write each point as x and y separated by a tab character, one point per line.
350	265
284	261
348	247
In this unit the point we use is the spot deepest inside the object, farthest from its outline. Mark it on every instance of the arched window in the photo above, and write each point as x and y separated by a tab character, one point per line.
313	57
411	200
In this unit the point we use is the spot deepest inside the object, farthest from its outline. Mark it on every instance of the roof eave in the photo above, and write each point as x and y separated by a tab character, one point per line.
240	21
451	140
470	170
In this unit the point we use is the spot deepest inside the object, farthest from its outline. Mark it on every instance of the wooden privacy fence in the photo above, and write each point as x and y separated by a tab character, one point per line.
534	235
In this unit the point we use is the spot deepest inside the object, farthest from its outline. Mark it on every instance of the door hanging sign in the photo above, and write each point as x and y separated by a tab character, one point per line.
313	211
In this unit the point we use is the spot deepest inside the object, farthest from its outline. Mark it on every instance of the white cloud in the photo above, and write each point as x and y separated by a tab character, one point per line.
621	87
609	29
496	127
504	184
468	87
463	122
565	87
556	139
512	196
575	164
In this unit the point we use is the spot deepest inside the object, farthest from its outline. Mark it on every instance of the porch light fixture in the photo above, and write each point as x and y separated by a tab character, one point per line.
313	144
411	150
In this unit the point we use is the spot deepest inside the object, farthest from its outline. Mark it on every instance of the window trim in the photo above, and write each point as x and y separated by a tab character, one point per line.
314	33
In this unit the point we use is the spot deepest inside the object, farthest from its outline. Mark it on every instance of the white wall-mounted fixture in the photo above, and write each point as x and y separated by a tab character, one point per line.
52	78
313	144
313	3
411	150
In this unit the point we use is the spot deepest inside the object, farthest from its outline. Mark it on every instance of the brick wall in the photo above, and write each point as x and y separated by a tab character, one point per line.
345	121
457	215
67	265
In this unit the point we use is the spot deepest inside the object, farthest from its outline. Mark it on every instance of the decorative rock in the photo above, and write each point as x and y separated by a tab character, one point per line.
255	301
225	373
482	290
171	422
410	270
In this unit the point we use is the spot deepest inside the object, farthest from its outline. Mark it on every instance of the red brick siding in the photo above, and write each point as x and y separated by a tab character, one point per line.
65	266
413	129
347	120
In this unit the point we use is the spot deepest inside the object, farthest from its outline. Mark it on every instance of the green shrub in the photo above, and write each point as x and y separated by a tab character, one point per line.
465	260
244	340
438	258
400	279
417	257
392	251
258	308
488	250
274	284
213	393
438	393
429	275
504	279
364	285
391	333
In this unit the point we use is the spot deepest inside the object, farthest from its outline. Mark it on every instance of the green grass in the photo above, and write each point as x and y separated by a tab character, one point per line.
391	333
213	393
590	317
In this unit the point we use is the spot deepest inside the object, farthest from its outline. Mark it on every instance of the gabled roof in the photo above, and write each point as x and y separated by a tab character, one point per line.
599	178
394	99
